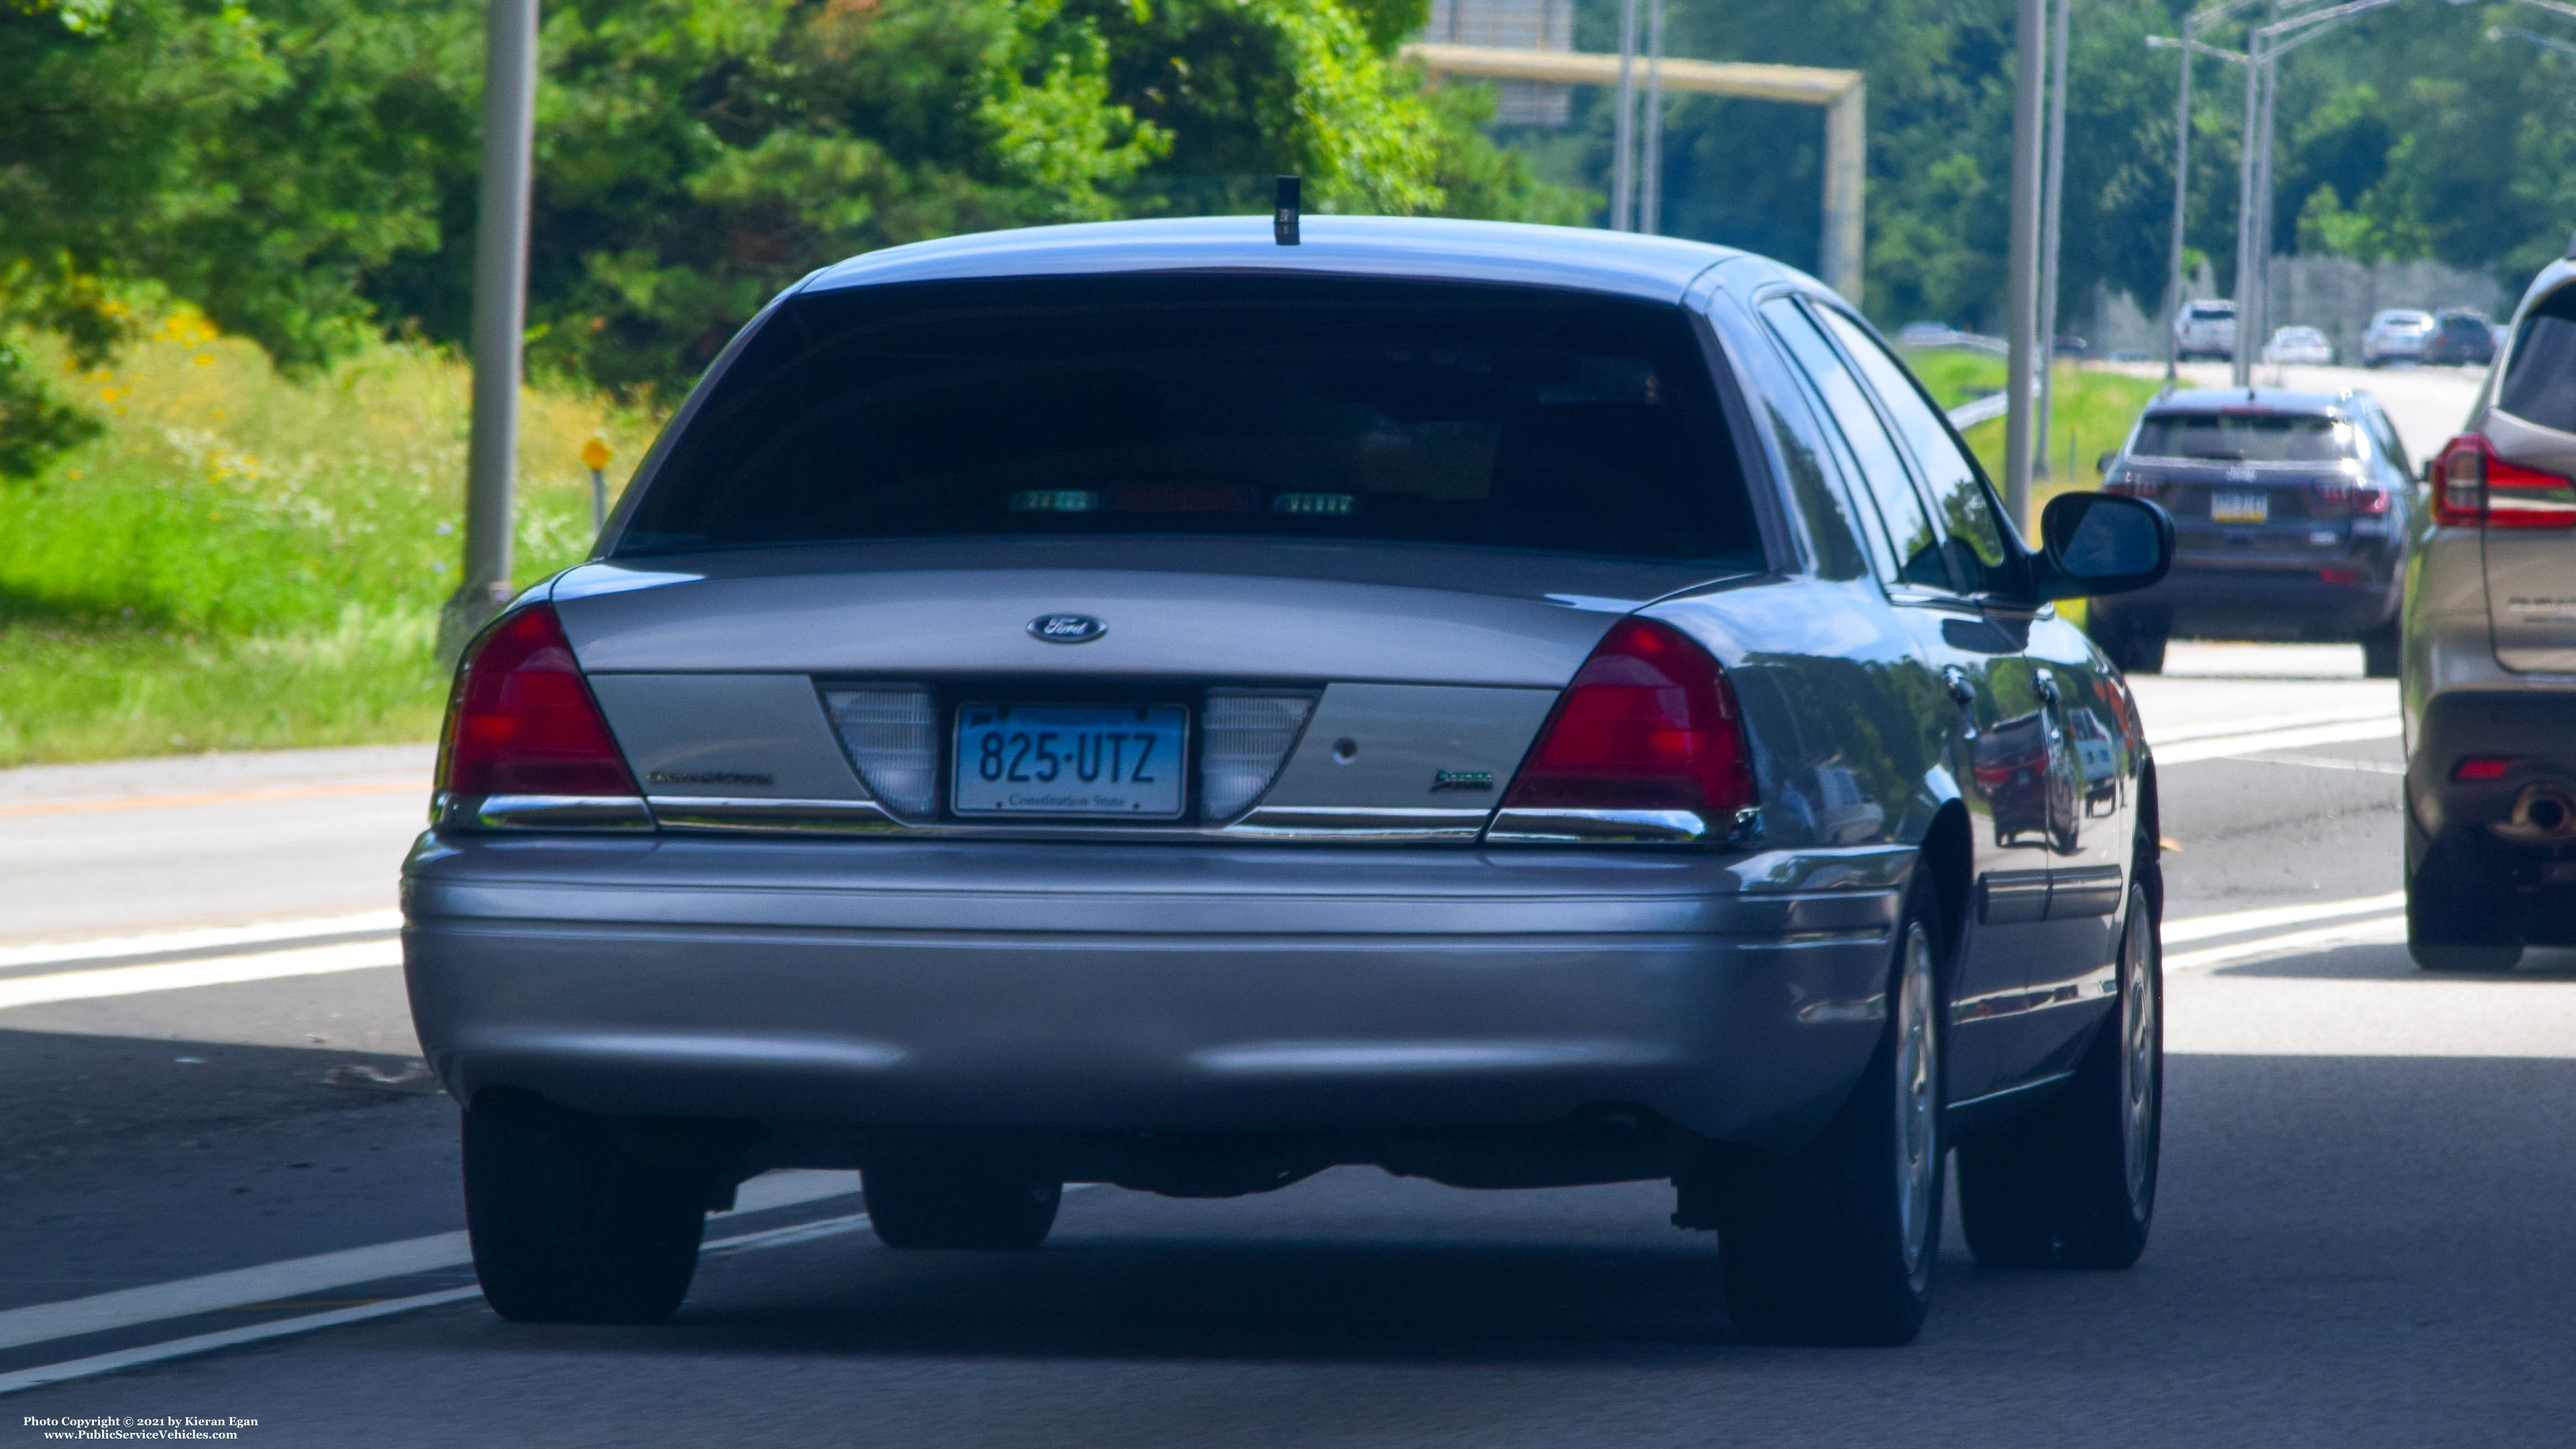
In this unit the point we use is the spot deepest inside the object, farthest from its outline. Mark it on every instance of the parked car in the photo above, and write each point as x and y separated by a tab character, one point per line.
2291	510
1137	703
2461	339
2205	329
2298	346
2396	335
2490	643
2072	348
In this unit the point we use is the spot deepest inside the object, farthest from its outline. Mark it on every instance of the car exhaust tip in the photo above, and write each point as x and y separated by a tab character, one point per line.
2543	812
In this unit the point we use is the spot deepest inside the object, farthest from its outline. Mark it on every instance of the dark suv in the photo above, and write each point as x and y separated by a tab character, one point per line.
2292	512
2460	339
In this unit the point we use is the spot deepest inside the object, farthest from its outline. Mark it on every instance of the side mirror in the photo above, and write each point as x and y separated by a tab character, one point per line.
2102	465
2102	543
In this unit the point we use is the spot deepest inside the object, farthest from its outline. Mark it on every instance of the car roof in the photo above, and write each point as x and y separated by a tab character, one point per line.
1425	248
2255	399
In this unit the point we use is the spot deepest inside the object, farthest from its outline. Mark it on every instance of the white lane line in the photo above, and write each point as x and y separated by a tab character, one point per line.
262	933
297	1277
214	971
2219	747
2374	929
105	1363
2248	724
2237	923
2320	762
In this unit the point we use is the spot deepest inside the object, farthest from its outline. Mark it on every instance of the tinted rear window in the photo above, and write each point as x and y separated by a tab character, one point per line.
1291	407
2540	386
2247	437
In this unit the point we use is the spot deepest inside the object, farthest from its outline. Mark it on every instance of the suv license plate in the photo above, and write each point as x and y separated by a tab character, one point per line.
1070	759
2240	507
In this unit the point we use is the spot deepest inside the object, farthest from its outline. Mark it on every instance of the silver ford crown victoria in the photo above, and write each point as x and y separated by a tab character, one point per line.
1143	703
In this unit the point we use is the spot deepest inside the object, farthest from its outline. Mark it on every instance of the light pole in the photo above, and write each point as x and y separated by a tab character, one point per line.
1623	131
1651	194
2265	47
500	320
2190	45
2052	209
2021	268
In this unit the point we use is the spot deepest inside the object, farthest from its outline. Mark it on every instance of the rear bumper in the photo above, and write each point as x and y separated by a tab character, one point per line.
1008	986
2216	602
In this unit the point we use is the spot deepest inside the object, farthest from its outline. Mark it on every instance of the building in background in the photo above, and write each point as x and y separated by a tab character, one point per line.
1512	25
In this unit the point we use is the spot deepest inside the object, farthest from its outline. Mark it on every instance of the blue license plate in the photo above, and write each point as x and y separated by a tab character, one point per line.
1071	759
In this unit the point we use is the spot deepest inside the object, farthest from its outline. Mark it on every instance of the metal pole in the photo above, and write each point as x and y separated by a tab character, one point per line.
500	319
1652	222
1623	168
2263	206
1846	188
2021	289
2052	210
2182	206
2242	371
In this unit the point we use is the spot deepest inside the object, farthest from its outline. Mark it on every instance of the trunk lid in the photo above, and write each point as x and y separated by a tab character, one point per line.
1375	689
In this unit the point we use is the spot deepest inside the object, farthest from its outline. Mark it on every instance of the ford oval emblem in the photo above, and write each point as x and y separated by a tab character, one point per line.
1066	628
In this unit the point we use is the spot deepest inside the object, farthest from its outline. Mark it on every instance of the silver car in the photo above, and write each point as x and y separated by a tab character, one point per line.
2396	335
2490	660
1143	703
2205	329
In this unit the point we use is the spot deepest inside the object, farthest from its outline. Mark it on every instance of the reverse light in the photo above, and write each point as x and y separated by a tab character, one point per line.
522	727
1648	735
2472	485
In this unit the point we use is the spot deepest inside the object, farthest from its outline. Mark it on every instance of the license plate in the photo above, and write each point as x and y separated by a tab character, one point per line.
1070	759
2240	507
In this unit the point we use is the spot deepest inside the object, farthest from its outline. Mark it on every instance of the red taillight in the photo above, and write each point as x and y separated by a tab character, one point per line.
2472	485
2338	574
522	721
2481	767
1649	723
2130	485
2357	496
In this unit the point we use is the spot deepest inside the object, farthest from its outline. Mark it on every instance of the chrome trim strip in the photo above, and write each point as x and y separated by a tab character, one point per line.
2093	890
545	812
1525	826
2012	897
1320	822
721	813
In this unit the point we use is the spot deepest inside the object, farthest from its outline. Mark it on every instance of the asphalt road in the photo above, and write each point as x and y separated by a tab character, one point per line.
2361	1239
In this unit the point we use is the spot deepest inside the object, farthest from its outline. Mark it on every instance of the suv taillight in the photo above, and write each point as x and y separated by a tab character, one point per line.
2360	497
1649	723
521	720
2472	485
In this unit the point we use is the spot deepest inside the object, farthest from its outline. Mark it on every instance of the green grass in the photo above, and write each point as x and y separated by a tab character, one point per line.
244	561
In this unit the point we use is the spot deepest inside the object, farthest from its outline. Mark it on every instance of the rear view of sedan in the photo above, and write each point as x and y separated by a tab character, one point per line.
2291	511
1146	704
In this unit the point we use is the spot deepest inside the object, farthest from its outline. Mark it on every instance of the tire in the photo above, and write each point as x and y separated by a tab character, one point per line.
568	1228
2381	652
2075	1186
1836	1243
932	1201
2460	926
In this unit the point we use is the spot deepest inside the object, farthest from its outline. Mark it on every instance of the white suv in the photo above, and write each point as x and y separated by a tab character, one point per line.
2489	672
2205	329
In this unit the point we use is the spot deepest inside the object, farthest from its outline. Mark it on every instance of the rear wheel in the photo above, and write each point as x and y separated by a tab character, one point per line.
2075	1186
2460	926
936	1201
1835	1243
2380	652
569	1228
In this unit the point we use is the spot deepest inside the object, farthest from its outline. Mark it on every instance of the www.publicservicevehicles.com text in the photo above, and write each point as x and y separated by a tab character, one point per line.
134	1426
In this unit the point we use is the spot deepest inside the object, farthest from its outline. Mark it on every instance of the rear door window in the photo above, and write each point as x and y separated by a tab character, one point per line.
1288	407
1916	546
1976	543
2540	385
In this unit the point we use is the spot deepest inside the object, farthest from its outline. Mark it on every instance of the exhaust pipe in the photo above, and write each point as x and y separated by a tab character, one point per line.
2544	813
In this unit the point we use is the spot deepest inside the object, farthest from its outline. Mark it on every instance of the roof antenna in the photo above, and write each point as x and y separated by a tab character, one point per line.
1283	211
